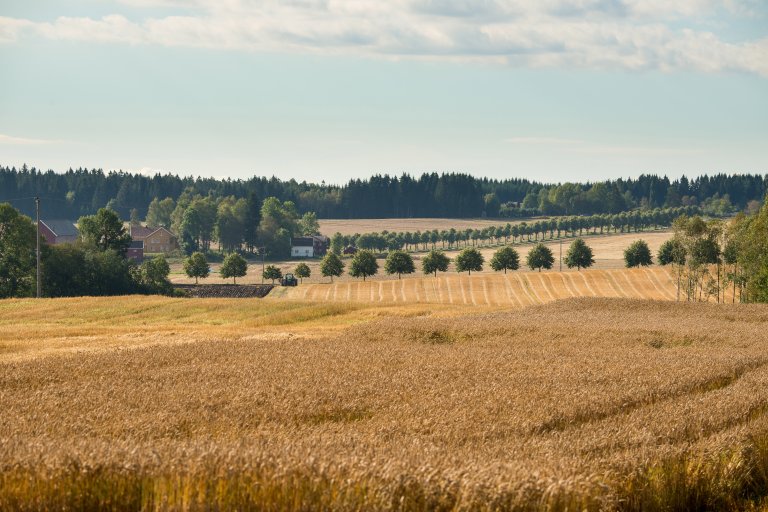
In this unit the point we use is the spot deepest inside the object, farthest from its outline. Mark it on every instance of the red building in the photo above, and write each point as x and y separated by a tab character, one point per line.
135	251
59	231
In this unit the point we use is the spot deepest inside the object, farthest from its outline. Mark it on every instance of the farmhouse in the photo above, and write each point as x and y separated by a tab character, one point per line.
156	240
59	231
309	246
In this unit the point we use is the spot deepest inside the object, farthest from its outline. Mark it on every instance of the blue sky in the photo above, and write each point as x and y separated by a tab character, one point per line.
552	90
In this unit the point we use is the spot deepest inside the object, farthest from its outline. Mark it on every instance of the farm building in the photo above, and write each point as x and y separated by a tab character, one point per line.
156	240
59	231
135	251
309	246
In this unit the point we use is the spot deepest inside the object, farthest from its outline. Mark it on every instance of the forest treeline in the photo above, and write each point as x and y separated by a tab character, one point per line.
79	192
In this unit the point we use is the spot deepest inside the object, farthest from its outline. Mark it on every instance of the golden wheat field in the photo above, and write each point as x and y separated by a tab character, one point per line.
514	289
352	226
149	403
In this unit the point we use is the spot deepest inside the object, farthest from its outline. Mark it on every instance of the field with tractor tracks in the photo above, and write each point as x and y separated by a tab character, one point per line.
514	289
152	403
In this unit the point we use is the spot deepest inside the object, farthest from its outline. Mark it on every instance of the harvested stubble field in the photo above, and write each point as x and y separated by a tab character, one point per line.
352	226
514	289
154	403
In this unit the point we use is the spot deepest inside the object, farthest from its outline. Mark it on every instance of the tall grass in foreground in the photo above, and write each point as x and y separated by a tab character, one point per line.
577	405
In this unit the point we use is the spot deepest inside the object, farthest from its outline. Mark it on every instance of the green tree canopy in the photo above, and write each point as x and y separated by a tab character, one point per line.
363	265
233	266
399	262
159	212
579	255
105	231
17	253
337	243
197	266
278	225
469	259
671	251
331	266
272	272
638	254
434	262
154	275
505	258
230	223
540	256
308	224
302	270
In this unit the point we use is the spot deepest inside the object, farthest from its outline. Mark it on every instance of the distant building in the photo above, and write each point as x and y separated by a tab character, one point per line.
135	251
309	246
156	240
59	231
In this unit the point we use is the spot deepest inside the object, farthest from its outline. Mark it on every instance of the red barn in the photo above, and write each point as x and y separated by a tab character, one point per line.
59	231
135	251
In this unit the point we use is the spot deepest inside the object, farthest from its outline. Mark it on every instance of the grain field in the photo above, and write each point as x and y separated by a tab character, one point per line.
514	289
147	403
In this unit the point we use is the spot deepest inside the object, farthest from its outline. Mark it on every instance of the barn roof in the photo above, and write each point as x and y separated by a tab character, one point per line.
61	227
303	241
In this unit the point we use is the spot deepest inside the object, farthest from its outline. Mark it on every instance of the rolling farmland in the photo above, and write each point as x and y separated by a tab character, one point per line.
352	226
150	403
514	289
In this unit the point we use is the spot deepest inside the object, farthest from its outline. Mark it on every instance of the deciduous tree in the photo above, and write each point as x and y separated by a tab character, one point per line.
579	255
540	256
331	266
272	272
197	266
363	265
233	266
434	262
302	270
638	254
469	259
399	262
505	258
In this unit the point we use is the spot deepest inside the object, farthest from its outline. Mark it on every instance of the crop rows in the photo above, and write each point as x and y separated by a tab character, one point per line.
515	289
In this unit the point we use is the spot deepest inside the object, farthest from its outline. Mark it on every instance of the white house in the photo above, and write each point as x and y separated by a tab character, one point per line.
303	247
309	246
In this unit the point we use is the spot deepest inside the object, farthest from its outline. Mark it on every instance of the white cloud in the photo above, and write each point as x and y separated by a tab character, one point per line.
543	140
596	34
23	141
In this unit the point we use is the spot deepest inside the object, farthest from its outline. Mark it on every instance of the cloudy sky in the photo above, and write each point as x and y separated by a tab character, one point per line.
333	89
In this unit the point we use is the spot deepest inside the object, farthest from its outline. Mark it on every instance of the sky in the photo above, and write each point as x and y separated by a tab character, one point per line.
328	90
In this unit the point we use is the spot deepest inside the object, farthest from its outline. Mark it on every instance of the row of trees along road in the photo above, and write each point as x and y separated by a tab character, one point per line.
470	259
95	265
709	256
533	231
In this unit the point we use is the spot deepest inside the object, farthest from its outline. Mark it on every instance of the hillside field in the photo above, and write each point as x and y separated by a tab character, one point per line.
608	252
352	226
151	403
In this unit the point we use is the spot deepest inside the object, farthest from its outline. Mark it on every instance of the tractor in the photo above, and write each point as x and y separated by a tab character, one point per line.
289	280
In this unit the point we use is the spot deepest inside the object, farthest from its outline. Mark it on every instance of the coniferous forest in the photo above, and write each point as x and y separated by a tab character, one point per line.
79	192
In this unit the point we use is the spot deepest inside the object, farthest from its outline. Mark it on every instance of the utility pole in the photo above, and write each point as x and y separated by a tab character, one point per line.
561	255
37	214
262	250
